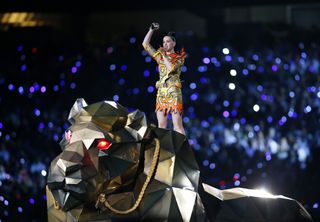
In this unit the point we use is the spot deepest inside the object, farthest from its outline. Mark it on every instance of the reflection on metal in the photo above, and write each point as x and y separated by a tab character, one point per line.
147	173
240	204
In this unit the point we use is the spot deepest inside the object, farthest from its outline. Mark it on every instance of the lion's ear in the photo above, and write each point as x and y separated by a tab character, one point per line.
76	108
137	122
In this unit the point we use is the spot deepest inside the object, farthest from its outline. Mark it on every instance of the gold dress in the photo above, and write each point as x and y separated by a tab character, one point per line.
169	96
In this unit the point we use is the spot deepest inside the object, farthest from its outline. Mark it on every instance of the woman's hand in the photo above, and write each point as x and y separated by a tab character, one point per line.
154	26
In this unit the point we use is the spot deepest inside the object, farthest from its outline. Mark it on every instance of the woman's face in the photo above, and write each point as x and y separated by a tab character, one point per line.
168	44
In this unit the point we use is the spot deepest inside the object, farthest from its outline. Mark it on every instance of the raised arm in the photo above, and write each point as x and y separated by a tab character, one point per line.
146	42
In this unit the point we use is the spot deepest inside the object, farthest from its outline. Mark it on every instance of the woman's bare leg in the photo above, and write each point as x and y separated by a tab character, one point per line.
177	122
162	119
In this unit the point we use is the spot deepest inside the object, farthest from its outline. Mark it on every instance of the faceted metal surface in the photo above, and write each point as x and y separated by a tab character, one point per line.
78	173
240	204
84	171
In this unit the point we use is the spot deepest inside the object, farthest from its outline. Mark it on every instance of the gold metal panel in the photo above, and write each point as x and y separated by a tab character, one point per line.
185	200
164	171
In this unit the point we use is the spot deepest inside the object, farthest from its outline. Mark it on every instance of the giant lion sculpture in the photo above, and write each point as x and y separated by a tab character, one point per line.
115	166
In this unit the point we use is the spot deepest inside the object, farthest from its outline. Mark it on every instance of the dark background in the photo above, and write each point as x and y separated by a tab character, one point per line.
55	52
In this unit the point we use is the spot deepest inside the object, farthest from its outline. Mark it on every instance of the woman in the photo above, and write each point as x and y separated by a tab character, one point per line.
169	96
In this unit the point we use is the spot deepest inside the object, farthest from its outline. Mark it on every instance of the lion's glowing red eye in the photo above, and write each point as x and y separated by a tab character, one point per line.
103	144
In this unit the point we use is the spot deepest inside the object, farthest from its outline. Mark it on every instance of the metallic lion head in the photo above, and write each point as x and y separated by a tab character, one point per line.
100	149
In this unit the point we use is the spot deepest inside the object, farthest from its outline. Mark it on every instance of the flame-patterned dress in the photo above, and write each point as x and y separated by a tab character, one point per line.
169	95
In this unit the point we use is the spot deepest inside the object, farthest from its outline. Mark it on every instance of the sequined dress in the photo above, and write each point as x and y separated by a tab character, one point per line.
169	95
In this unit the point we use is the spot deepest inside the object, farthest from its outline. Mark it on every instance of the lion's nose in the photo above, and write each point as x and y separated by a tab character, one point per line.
67	167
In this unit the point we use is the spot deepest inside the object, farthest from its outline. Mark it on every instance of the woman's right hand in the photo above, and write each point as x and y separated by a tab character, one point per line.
154	26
